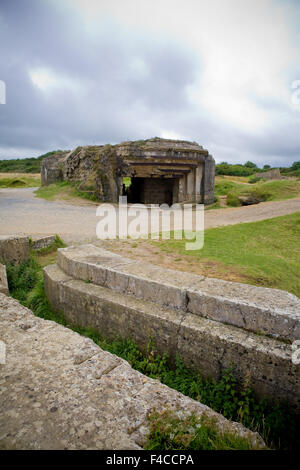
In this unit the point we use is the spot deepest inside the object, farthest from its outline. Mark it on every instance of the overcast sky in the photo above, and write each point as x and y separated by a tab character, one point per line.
218	72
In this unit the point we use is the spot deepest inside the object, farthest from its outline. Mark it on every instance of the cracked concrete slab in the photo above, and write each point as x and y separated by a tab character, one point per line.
59	390
208	346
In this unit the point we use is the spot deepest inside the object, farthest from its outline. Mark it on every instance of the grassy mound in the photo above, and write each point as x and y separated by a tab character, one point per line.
19	180
274	190
265	253
64	190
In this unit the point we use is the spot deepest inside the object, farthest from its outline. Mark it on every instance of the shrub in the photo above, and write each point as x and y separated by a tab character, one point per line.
250	165
295	166
234	170
260	193
255	179
232	200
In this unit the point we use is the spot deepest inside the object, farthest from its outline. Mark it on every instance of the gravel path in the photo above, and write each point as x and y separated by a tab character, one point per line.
22	213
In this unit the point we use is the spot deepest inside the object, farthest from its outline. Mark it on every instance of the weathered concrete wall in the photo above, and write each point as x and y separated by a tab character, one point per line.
42	242
52	168
14	249
184	314
157	191
269	175
209	181
61	391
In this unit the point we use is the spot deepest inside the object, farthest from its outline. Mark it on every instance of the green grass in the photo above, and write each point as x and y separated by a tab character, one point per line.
20	181
263	190
266	253
275	421
64	190
169	432
224	186
215	205
51	191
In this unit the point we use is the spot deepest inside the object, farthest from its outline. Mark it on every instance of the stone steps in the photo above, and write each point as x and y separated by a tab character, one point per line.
265	311
59	390
207	345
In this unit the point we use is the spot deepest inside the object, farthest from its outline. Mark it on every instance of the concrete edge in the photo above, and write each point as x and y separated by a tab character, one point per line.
256	309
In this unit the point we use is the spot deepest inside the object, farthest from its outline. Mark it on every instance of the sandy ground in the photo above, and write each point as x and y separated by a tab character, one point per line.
22	213
36	176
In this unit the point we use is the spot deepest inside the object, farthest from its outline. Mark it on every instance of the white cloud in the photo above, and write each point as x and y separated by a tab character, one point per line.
49	81
169	134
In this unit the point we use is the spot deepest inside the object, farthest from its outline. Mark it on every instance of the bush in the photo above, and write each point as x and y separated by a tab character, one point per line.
250	165
260	193
233	200
23	277
255	179
234	170
295	166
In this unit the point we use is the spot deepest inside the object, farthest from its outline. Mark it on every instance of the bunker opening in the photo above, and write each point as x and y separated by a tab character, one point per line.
151	190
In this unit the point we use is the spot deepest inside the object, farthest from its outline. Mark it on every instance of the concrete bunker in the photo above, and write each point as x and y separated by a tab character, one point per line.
161	171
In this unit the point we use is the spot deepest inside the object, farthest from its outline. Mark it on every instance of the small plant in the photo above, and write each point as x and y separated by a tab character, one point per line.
169	432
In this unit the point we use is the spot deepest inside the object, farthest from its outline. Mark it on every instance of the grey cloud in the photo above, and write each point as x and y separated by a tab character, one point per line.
38	36
114	102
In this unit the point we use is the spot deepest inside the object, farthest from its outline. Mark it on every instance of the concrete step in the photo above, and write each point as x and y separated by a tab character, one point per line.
59	390
40	242
269	312
204	344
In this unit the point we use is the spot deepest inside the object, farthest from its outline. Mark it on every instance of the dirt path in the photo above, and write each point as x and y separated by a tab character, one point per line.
22	213
264	210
